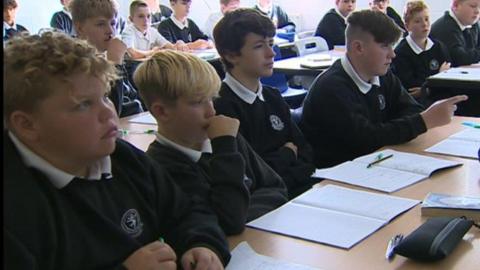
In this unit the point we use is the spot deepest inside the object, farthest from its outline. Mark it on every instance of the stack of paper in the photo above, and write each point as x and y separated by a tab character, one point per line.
399	171
144	119
463	144
333	215
245	258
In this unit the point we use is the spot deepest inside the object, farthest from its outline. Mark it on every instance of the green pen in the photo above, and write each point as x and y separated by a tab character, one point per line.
161	240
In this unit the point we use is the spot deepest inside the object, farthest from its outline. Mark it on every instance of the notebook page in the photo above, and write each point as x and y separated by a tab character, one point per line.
368	204
409	162
376	177
244	257
468	134
454	147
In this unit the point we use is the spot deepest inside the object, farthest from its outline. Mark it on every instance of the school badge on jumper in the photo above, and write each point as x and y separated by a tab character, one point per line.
277	123
381	102
131	223
434	65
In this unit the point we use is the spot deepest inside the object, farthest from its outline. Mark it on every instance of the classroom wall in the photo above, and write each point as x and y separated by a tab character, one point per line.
35	14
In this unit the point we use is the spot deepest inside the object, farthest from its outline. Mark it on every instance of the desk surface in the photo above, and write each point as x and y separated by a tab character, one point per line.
292	66
459	77
370	253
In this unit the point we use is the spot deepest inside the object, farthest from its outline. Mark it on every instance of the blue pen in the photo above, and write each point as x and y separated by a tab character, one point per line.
471	124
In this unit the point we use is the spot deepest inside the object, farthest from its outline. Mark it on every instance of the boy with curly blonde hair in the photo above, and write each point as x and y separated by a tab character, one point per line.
75	197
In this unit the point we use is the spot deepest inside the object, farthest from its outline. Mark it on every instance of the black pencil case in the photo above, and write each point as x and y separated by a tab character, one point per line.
434	239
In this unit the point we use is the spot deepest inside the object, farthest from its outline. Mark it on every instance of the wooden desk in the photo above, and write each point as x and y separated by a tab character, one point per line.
292	66
370	253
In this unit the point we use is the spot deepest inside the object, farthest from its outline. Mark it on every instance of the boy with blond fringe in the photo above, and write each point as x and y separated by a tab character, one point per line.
201	150
75	197
95	21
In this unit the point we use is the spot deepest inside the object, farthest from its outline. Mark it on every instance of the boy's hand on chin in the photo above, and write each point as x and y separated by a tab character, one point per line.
221	125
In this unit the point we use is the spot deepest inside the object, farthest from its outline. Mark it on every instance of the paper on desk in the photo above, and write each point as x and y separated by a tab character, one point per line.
462	144
245	258
144	119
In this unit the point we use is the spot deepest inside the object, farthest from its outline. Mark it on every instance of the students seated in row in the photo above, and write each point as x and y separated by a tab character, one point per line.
418	56
10	27
358	105
459	30
75	197
141	39
244	40
278	16
333	24
95	21
201	150
182	30
212	20
62	20
384	6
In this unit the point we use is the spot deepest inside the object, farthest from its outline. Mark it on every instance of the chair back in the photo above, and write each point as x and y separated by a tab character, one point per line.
310	45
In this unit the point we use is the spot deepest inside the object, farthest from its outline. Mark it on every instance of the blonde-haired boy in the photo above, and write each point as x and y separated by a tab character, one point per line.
72	191
96	21
459	30
141	39
201	150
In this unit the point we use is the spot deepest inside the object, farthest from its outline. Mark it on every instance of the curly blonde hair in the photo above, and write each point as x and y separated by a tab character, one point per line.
169	74
35	65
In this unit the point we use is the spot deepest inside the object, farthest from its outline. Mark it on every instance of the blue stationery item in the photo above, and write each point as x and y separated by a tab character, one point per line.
290	36
471	124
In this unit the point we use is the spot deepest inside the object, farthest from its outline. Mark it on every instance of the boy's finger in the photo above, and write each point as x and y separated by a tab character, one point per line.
457	99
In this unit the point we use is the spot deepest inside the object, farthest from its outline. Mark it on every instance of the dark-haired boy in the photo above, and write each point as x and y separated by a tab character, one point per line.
333	24
244	40
358	105
74	196
10	28
459	30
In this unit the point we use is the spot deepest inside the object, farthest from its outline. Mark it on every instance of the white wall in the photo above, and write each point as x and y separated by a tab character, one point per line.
36	14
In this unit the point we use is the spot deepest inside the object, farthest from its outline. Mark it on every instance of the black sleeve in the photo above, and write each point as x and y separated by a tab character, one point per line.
56	22
195	31
187	223
269	191
165	30
124	96
15	254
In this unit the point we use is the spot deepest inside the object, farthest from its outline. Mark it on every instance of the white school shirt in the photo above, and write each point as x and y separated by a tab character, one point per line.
145	42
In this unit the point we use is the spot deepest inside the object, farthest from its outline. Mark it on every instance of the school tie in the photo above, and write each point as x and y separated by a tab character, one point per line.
9	33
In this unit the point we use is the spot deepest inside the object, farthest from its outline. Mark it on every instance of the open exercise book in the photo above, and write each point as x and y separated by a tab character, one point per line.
333	215
399	171
245	258
462	144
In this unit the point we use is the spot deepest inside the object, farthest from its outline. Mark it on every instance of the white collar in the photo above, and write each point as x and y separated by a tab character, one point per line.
57	177
178	23
340	14
268	10
68	13
362	85
6	26
192	154
415	48
243	92
462	27
138	32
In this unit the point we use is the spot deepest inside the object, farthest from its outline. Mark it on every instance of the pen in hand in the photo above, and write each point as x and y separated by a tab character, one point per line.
379	158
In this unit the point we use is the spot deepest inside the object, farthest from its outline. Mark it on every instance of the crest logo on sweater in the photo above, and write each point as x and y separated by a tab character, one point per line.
276	122
131	223
434	65
381	102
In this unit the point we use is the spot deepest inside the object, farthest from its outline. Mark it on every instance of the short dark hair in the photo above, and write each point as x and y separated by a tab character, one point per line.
380	26
229	33
9	4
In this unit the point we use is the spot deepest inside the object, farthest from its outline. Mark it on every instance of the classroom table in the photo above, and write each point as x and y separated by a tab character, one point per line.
370	253
293	65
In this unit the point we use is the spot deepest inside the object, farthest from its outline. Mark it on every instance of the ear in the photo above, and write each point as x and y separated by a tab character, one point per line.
161	111
232	58
130	19
357	46
23	125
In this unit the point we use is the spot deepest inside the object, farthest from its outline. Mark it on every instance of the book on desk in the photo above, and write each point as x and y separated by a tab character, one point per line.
402	170
462	144
333	215
444	205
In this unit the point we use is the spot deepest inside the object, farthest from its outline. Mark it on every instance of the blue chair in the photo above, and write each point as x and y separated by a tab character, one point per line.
294	97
